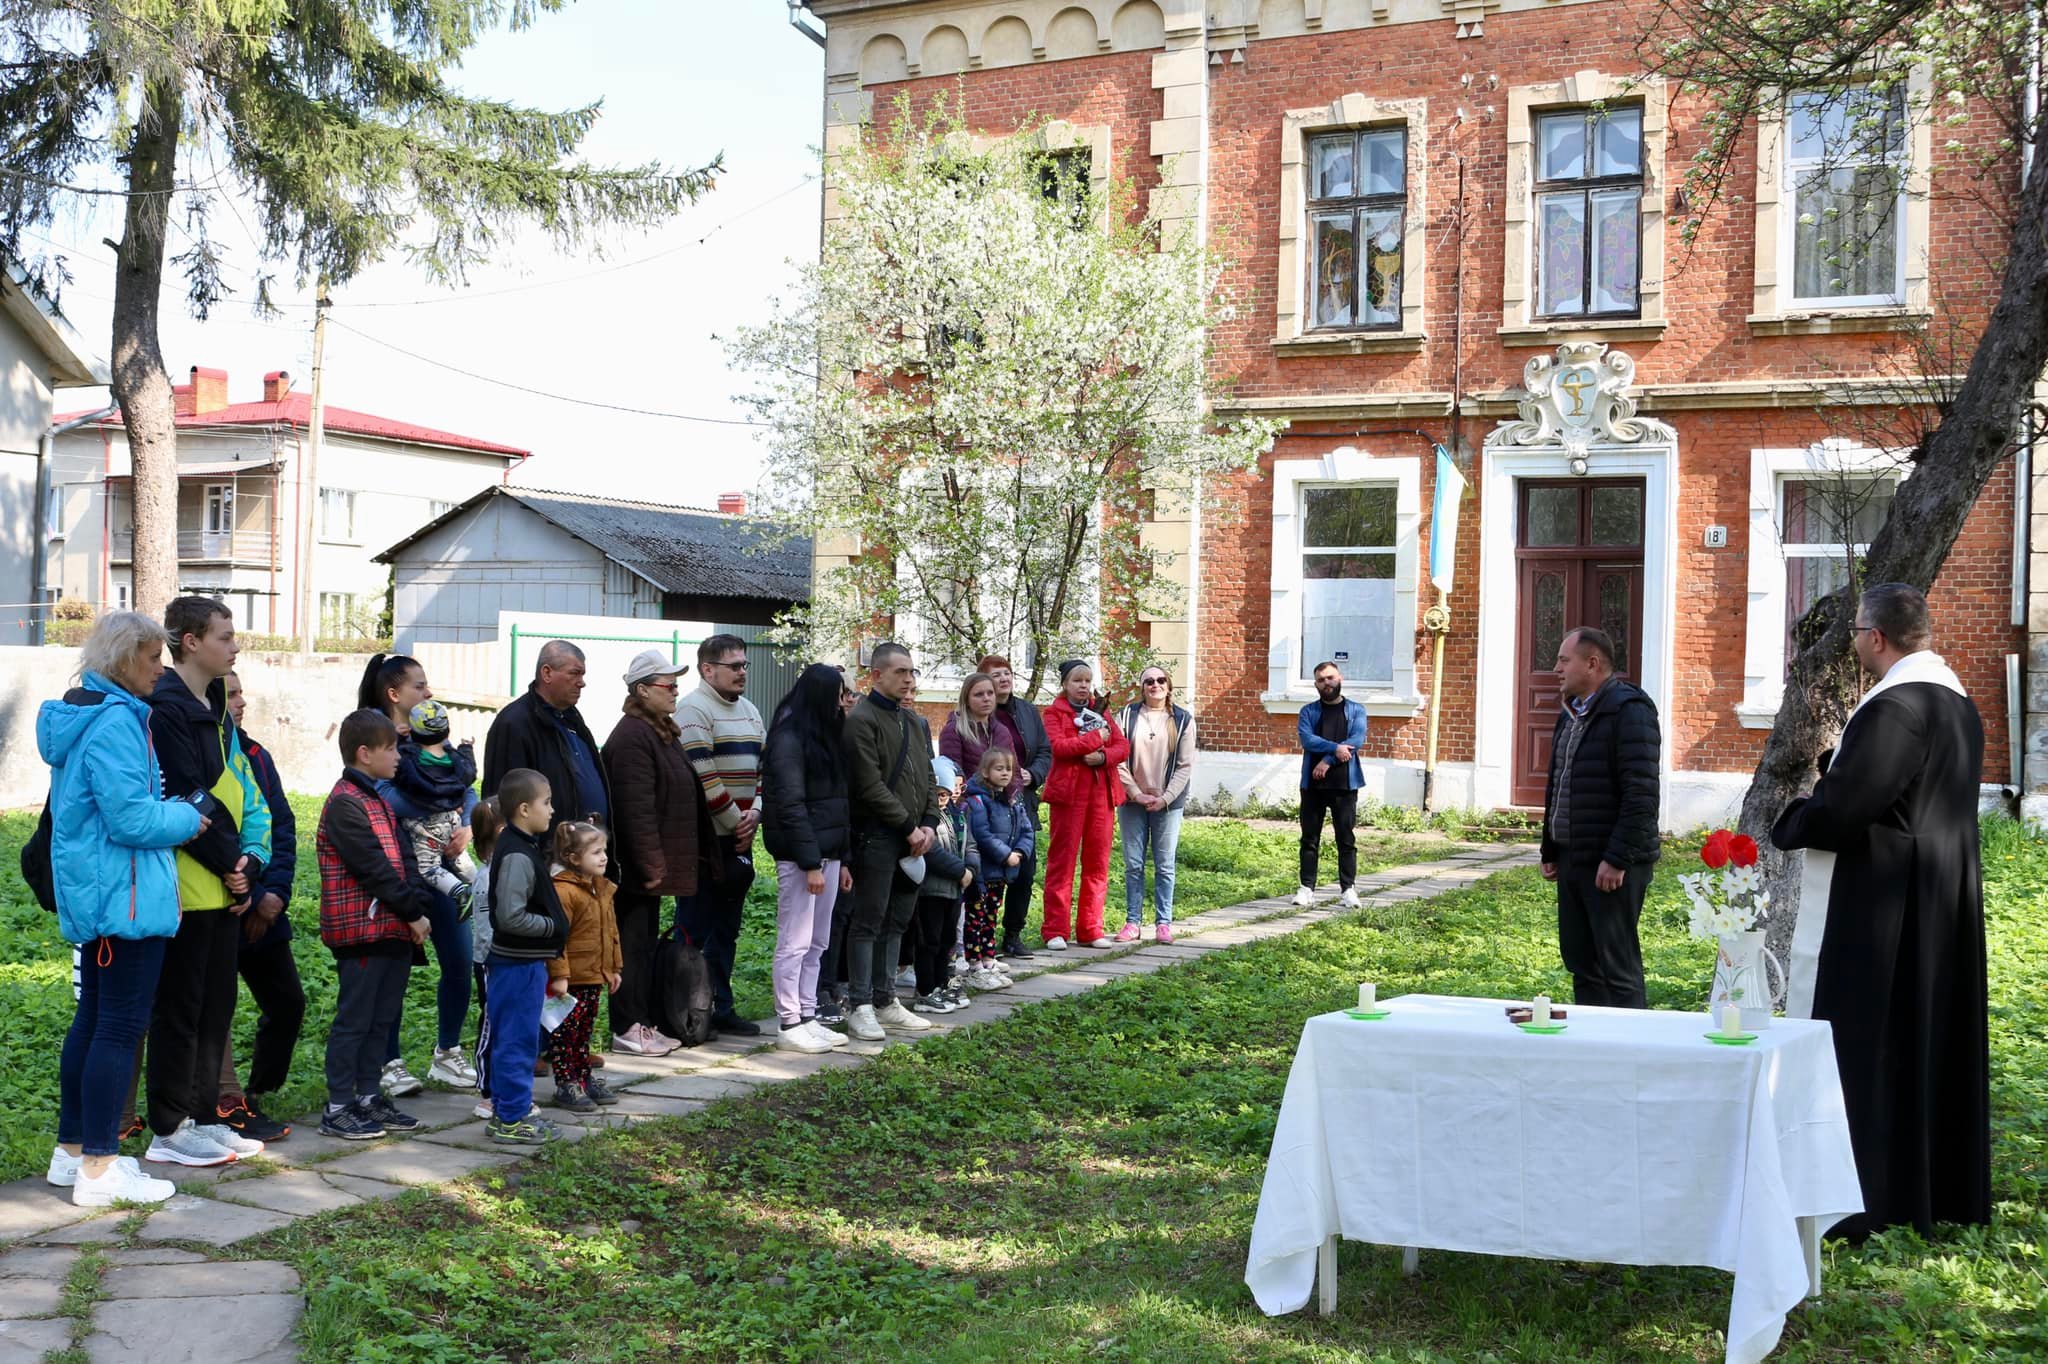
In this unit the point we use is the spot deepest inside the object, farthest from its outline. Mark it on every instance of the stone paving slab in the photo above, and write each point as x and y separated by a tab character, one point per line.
30	1298
26	1342
301	1193
417	1162
188	1217
703	1087
780	1065
216	1278
253	1328
154	1255
29	1207
306	1147
89	1231
37	1263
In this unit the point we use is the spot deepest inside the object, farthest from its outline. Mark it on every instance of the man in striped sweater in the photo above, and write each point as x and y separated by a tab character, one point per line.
721	735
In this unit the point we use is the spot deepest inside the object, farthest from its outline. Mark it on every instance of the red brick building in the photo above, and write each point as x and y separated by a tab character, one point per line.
1458	222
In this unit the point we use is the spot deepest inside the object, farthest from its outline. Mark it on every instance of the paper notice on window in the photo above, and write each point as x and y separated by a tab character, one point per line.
1351	618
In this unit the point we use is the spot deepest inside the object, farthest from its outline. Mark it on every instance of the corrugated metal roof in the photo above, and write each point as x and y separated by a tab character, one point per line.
678	549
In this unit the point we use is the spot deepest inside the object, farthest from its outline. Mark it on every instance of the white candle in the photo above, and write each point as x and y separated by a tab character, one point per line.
1540	1014
1368	996
1731	1020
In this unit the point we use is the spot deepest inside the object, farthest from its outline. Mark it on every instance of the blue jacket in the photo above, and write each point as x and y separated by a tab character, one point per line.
999	827
112	834
1315	748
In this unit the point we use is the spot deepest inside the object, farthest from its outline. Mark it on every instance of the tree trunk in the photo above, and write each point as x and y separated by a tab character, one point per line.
1927	514
141	384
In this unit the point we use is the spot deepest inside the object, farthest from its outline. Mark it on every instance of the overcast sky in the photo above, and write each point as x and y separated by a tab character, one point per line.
681	81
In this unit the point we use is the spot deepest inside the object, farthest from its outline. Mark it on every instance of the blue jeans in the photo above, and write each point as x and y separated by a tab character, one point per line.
511	1037
1158	830
99	1052
454	954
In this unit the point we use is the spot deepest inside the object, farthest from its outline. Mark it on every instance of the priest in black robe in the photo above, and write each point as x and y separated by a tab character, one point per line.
1901	973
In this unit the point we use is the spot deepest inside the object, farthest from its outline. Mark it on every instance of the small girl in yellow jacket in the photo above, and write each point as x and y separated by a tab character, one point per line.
590	963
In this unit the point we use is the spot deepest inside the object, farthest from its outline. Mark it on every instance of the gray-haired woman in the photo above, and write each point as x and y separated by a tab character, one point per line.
111	836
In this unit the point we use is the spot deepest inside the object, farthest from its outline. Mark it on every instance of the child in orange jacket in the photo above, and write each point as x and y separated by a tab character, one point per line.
590	963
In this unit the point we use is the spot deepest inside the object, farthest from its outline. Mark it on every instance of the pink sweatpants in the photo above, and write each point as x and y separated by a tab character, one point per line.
803	927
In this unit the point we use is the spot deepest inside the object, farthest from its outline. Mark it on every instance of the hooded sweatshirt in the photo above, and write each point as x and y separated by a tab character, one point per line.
111	832
196	745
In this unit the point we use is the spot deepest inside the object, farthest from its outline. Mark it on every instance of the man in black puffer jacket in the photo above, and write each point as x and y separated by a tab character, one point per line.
1600	820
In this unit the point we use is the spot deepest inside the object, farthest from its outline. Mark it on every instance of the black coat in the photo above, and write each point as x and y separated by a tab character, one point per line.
660	831
1614	782
525	735
1902	960
1034	749
805	818
187	732
284	842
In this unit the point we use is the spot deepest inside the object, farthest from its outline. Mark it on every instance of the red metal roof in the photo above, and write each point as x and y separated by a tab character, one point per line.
296	409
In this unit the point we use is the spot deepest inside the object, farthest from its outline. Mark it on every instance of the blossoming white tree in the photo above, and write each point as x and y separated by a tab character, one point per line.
983	381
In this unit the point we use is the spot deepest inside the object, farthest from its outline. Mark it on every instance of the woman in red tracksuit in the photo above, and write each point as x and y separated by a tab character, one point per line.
1083	793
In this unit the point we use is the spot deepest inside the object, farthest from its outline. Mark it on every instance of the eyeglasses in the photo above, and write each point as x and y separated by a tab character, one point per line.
738	667
665	686
1155	681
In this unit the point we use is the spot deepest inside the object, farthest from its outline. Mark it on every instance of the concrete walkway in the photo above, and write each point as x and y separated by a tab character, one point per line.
94	1282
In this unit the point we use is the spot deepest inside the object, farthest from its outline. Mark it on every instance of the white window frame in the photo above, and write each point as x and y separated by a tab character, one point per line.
347	498
1519	324
1288	689
1775	311
121	596
1294	332
1764	661
218	517
1788	226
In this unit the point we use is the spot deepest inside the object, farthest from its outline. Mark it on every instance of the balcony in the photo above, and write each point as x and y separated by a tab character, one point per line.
237	549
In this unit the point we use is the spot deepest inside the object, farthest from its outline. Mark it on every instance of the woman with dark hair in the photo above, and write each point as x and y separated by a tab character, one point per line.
1083	793
392	685
805	823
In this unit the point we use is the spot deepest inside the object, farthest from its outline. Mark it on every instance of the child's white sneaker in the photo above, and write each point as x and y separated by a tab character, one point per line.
452	1068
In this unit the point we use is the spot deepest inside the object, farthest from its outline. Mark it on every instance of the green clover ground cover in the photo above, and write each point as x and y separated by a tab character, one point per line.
1221	863
1078	1183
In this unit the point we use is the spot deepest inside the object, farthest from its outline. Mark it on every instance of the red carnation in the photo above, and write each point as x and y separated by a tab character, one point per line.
1742	850
1716	851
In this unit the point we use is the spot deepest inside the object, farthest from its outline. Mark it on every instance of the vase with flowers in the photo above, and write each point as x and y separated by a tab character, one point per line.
1729	904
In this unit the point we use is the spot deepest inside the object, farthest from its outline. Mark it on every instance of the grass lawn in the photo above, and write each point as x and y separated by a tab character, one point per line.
1079	1181
1222	862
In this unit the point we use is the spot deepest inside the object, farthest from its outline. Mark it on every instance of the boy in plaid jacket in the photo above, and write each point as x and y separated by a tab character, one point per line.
373	916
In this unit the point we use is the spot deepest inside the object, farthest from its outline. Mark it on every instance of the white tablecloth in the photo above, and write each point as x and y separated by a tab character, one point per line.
1627	1138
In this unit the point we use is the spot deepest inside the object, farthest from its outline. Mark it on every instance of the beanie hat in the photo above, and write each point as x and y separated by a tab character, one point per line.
429	721
1069	666
945	772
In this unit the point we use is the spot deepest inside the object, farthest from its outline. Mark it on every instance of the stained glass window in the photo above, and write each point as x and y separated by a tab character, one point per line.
1549	631
1615	615
1358	194
1589	190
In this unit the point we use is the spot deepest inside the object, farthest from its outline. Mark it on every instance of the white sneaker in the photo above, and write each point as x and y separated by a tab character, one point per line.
797	1038
220	1134
1055	944
452	1068
894	1015
483	1110
1349	898
187	1146
397	1080
121	1182
63	1171
832	1040
861	1024
1304	897
906	979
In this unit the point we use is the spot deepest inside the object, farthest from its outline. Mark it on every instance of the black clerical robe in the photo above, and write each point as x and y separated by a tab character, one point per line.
1902	966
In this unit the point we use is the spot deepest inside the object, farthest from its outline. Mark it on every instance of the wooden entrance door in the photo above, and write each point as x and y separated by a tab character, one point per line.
1579	556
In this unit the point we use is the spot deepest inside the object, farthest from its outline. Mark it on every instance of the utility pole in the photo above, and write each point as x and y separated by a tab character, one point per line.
309	480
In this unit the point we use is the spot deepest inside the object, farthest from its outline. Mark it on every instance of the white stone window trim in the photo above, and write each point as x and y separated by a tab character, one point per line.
1288	688
1519	324
1292	332
1763	650
1776	312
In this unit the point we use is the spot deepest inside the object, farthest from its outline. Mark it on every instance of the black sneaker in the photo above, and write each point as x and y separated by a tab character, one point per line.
601	1093
354	1123
1014	947
575	1098
392	1118
250	1121
831	1008
734	1024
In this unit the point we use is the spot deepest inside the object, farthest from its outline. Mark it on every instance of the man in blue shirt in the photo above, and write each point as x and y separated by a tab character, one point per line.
1332	730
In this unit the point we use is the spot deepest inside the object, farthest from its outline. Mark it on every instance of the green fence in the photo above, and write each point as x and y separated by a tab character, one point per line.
769	676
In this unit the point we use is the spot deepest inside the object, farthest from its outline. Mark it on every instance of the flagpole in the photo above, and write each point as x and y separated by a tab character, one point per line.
1437	621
